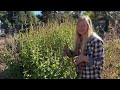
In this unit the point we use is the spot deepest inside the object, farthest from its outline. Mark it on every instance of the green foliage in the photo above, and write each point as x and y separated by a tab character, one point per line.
15	19
90	14
42	52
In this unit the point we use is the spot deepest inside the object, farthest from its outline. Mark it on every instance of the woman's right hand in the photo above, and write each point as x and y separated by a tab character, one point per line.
66	51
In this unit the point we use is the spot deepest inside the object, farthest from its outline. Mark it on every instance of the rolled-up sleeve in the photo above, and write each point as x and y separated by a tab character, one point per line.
96	56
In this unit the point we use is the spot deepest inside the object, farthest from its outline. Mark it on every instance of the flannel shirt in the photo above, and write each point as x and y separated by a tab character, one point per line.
95	52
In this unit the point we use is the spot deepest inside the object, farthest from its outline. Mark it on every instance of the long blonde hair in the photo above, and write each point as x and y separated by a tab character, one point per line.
79	41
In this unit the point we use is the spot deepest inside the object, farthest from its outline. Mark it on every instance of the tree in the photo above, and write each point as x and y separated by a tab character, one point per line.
100	21
14	20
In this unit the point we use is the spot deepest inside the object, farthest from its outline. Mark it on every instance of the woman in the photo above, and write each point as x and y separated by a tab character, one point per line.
89	50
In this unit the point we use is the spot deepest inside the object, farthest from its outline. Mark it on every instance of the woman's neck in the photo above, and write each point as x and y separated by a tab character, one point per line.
83	36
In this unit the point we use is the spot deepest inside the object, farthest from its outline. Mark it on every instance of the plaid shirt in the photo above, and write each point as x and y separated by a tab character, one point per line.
95	52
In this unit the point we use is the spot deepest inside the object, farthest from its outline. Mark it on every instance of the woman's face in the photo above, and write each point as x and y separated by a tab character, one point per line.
82	27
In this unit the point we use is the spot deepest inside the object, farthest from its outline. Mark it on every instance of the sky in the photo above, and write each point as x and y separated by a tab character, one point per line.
36	12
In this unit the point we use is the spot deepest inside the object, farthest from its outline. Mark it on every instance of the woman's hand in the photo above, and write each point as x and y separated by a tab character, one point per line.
80	58
67	52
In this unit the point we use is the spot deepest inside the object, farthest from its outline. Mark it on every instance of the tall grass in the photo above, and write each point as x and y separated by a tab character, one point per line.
112	56
42	51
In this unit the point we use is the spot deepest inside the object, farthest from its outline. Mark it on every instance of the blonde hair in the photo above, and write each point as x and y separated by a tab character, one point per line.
80	42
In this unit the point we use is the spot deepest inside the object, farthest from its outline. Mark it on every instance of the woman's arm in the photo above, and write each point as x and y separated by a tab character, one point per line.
70	53
96	55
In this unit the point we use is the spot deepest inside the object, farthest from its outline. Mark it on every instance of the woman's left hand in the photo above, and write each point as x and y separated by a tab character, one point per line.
80	58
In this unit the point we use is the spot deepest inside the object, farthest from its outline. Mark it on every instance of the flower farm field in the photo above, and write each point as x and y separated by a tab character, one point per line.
38	54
